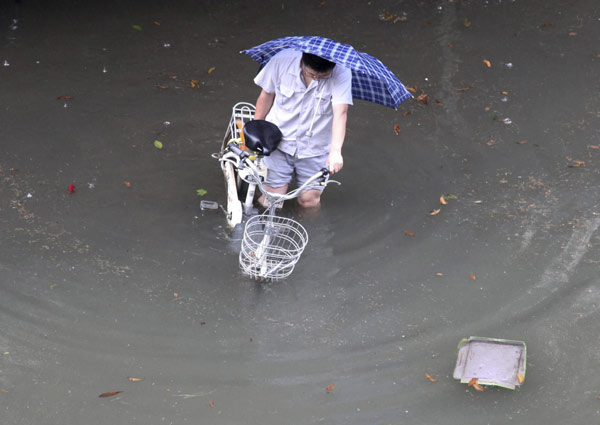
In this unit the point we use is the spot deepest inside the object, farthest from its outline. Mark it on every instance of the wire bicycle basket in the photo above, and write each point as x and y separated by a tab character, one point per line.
271	246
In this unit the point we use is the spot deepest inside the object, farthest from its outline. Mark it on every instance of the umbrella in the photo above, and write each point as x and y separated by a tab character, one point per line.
371	79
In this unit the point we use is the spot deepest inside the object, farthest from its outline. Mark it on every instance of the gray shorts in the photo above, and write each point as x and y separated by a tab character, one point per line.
282	167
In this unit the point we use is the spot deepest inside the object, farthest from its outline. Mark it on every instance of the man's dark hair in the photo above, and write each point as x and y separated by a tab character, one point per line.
317	63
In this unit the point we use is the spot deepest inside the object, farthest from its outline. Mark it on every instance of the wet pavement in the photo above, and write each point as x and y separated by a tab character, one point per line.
118	281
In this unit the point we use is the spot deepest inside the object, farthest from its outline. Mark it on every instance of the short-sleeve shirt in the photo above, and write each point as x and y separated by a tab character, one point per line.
295	105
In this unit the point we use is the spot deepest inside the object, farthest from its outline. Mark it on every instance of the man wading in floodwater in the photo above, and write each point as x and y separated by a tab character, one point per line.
307	97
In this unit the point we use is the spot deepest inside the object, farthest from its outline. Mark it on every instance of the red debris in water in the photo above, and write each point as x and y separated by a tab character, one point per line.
72	188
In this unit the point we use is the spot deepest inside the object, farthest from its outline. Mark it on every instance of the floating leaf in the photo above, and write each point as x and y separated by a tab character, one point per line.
397	129
127	184
161	86
472	276
109	394
443	200
463	89
423	98
520	378
473	383
467	22
157	23
211	403
521	142
439	274
386	16
132	379
329	388
594	147
65	97
435	212
409	233
487	63
71	188
158	144
576	164
136	27
411	89
201	192
546	25
572	34
210	70
432	379
194	83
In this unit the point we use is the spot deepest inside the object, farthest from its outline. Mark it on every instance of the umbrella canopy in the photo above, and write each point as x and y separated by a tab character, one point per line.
371	79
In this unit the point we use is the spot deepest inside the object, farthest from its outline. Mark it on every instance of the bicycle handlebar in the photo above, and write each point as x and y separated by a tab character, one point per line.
322	176
241	158
238	151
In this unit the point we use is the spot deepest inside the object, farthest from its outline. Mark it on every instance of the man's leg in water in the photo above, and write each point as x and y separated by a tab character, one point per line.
280	169
262	198
310	200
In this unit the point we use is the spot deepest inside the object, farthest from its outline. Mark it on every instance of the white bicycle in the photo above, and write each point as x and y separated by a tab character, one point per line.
271	245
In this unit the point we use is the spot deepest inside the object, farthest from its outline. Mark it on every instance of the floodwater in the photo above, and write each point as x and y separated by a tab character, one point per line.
112	281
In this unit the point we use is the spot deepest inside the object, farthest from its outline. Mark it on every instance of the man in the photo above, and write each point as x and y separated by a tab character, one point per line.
307	97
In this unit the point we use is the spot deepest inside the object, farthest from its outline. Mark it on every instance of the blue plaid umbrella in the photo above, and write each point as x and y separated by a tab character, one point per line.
371	80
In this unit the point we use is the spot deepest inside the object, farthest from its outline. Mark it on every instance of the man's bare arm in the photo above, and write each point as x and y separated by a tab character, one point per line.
263	104
335	162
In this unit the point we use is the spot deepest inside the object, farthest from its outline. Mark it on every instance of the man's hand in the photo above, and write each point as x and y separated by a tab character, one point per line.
335	162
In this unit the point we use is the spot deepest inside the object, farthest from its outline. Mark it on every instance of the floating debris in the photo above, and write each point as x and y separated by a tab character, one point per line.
491	361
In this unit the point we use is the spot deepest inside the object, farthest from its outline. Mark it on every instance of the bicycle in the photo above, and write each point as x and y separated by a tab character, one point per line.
271	244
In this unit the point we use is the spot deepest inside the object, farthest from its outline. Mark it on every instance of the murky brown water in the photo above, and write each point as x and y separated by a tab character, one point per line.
114	282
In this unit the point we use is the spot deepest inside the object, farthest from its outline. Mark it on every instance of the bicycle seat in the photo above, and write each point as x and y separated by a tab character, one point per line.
262	136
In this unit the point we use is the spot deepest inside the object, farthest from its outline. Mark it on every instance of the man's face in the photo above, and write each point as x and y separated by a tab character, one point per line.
310	73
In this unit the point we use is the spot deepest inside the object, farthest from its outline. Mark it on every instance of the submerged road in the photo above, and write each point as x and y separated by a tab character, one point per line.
125	287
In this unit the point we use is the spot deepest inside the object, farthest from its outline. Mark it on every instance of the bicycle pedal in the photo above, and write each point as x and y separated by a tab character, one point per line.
209	205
